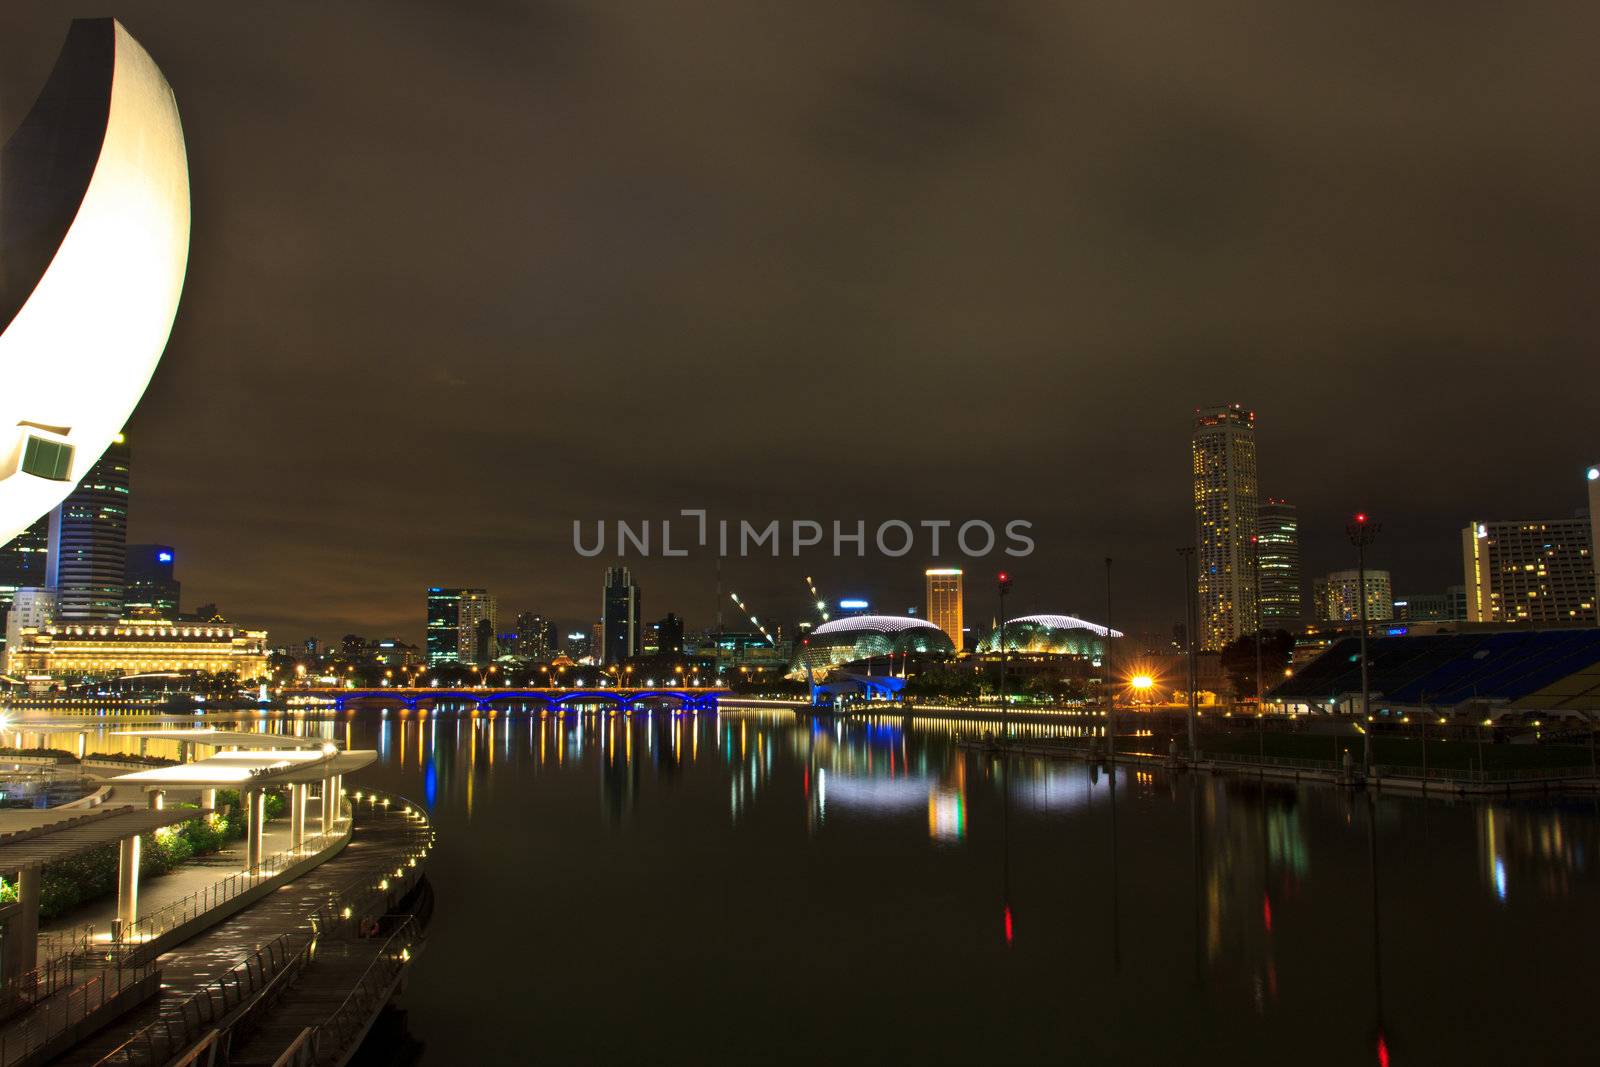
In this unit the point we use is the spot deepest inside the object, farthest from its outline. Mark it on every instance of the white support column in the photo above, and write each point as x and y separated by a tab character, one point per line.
83	745
158	799
255	851
297	814
208	798
19	949
128	881
327	805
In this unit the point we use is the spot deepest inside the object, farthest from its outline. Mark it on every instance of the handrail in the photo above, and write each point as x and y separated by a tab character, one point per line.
156	1043
179	1030
54	1016
171	916
354	1013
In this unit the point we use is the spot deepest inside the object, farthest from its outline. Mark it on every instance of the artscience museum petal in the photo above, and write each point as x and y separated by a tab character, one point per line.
94	244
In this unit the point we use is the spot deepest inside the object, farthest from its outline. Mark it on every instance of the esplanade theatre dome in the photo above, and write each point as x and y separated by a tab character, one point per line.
865	636
1053	635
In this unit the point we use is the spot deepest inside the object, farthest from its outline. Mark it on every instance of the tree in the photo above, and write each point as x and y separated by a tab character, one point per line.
1239	661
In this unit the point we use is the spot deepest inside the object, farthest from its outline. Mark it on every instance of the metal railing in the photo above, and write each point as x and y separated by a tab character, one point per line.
55	1015
1244	759
351	1019
61	953
196	904
173	1033
193	1020
1476	774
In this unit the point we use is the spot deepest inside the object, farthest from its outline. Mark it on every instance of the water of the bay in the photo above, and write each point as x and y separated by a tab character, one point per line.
752	887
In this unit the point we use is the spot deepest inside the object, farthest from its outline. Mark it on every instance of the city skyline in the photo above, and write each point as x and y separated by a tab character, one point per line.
317	541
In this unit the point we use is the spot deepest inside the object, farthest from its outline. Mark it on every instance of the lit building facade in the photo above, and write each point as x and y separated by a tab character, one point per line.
619	617
150	588
1278	556
1448	606
865	637
476	639
944	602
1226	502
88	554
1337	600
1537	571
22	565
443	640
136	646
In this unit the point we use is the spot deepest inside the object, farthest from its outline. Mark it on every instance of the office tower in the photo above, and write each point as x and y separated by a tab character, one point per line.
89	542
22	566
150	588
536	636
453	632
30	607
619	617
476	618
669	635
1336	599
1278	552
1448	606
1223	461
944	602
1537	571
1593	477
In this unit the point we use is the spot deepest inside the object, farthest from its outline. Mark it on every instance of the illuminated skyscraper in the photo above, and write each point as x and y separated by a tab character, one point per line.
944	601
619	617
444	626
22	566
88	552
1336	598
151	590
454	634
476	639
1538	571
1223	457
1593	475
1278	549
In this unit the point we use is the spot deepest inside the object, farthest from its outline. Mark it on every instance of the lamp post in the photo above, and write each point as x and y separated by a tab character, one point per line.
1363	531
1004	584
1187	553
1261	722
1111	704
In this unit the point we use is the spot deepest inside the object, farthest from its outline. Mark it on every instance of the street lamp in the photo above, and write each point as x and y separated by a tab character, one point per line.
1187	553
1363	531
1004	584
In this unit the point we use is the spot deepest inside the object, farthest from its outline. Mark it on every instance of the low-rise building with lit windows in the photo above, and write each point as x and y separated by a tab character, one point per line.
66	650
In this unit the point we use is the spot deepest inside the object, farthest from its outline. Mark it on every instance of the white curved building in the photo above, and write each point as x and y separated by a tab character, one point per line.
94	243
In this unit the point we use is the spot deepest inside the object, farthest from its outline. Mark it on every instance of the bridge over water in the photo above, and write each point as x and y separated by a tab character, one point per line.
553	698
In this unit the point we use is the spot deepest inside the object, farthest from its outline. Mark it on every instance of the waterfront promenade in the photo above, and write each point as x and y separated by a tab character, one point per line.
231	979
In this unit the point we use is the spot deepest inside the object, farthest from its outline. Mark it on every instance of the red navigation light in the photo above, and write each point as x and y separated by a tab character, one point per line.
1004	576
1361	517
1383	1052
1009	931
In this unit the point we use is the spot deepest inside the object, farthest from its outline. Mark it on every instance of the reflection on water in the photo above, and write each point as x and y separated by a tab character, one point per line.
867	889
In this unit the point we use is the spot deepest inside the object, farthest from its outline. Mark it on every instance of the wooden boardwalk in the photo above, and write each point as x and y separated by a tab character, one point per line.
381	843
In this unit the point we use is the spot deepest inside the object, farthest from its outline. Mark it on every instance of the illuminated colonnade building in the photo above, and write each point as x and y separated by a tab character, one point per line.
135	646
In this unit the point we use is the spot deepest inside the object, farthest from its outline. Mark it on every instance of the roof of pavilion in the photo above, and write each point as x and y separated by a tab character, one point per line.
42	835
1447	669
255	767
224	738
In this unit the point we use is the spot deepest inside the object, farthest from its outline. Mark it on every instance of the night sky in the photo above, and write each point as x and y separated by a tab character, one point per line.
464	272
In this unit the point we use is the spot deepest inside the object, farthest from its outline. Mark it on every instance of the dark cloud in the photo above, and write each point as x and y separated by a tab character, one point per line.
464	272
